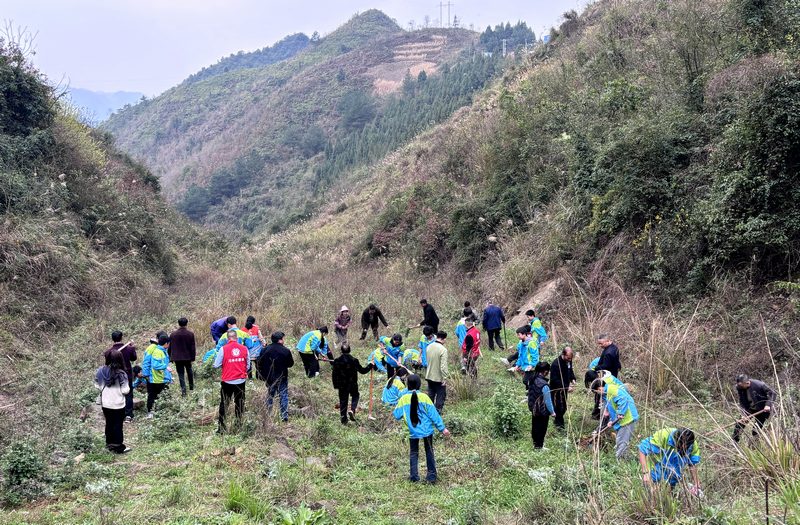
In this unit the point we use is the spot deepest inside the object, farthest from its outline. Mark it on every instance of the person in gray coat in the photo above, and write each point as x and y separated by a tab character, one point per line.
756	400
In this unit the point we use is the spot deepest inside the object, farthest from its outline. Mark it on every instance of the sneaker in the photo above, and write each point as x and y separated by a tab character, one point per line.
128	419
127	449
150	415
505	361
351	415
316	375
512	369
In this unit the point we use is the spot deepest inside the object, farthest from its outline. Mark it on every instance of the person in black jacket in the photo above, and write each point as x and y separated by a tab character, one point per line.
562	379
273	366
756	400
369	319
609	357
182	352
429	315
345	379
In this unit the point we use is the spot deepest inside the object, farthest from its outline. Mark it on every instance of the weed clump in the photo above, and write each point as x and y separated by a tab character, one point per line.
505	414
24	474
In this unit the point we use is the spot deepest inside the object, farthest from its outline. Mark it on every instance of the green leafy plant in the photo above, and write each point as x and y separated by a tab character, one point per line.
303	516
505	413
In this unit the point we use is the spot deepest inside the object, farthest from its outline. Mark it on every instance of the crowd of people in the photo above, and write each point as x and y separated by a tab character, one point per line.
241	354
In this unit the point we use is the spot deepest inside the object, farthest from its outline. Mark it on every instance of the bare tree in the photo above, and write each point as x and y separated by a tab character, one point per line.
19	37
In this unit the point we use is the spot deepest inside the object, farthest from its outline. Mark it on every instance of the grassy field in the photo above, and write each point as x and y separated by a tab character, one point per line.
181	471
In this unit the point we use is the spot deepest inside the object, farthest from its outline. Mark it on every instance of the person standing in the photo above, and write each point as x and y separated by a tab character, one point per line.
113	383
256	343
273	367
621	412
756	400
537	327
471	349
428	336
663	456
369	320
155	369
437	372
461	326
609	357
128	351
562	379
234	360
345	380
310	346
341	324
540	403
419	414
429	315
182	352
493	321
527	354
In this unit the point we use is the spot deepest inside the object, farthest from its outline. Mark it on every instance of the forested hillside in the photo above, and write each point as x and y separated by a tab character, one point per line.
249	143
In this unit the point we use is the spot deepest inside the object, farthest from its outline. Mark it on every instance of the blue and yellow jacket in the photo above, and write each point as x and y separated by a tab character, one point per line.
411	357
423	349
395	351
620	402
154	365
528	354
538	328
391	394
310	343
593	365
461	331
428	415
376	358
666	464
209	356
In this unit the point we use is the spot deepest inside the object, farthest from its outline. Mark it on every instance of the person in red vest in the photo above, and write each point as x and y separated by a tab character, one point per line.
234	360
471	348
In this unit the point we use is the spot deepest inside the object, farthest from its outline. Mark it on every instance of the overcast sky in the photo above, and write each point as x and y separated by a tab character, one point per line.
151	45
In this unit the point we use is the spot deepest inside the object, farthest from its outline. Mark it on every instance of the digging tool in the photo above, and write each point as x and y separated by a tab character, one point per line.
371	385
742	421
504	336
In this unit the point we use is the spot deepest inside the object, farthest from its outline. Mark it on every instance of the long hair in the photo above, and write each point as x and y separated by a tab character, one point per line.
413	383
250	322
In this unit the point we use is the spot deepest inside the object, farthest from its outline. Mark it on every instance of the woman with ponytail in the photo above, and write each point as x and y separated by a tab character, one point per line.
418	412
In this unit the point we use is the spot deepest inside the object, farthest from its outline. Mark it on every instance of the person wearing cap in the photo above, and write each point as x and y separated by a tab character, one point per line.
155	369
234	360
756	400
273	366
341	324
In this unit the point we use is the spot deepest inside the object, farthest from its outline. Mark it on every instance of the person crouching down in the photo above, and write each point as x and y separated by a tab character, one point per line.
234	360
419	414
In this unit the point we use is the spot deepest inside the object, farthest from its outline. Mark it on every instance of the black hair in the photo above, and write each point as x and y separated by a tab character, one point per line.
530	313
163	339
372	307
596	384
467	311
542	366
467	304
423	301
136	370
277	336
398	338
115	360
441	335
345	348
398	373
524	329
250	322
323	329
414	383
116	336
230	320
684	441
183	321
742	378
427	331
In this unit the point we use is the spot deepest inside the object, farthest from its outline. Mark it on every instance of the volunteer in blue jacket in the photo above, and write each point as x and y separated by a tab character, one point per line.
219	327
663	456
419	414
394	353
428	336
621	411
155	369
493	320
528	353
310	346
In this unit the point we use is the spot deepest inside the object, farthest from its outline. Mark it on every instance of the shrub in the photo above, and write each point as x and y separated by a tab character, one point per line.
24	474
505	413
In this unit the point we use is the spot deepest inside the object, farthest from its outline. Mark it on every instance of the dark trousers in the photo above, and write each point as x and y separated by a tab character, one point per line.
153	390
187	366
758	424
364	332
560	406
281	388
345	393
228	391
129	400
430	460
114	422
310	364
539	429
513	358
438	394
390	370
494	335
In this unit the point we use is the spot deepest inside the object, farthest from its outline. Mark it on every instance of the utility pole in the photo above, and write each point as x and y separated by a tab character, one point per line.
449	4
504	48
441	16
